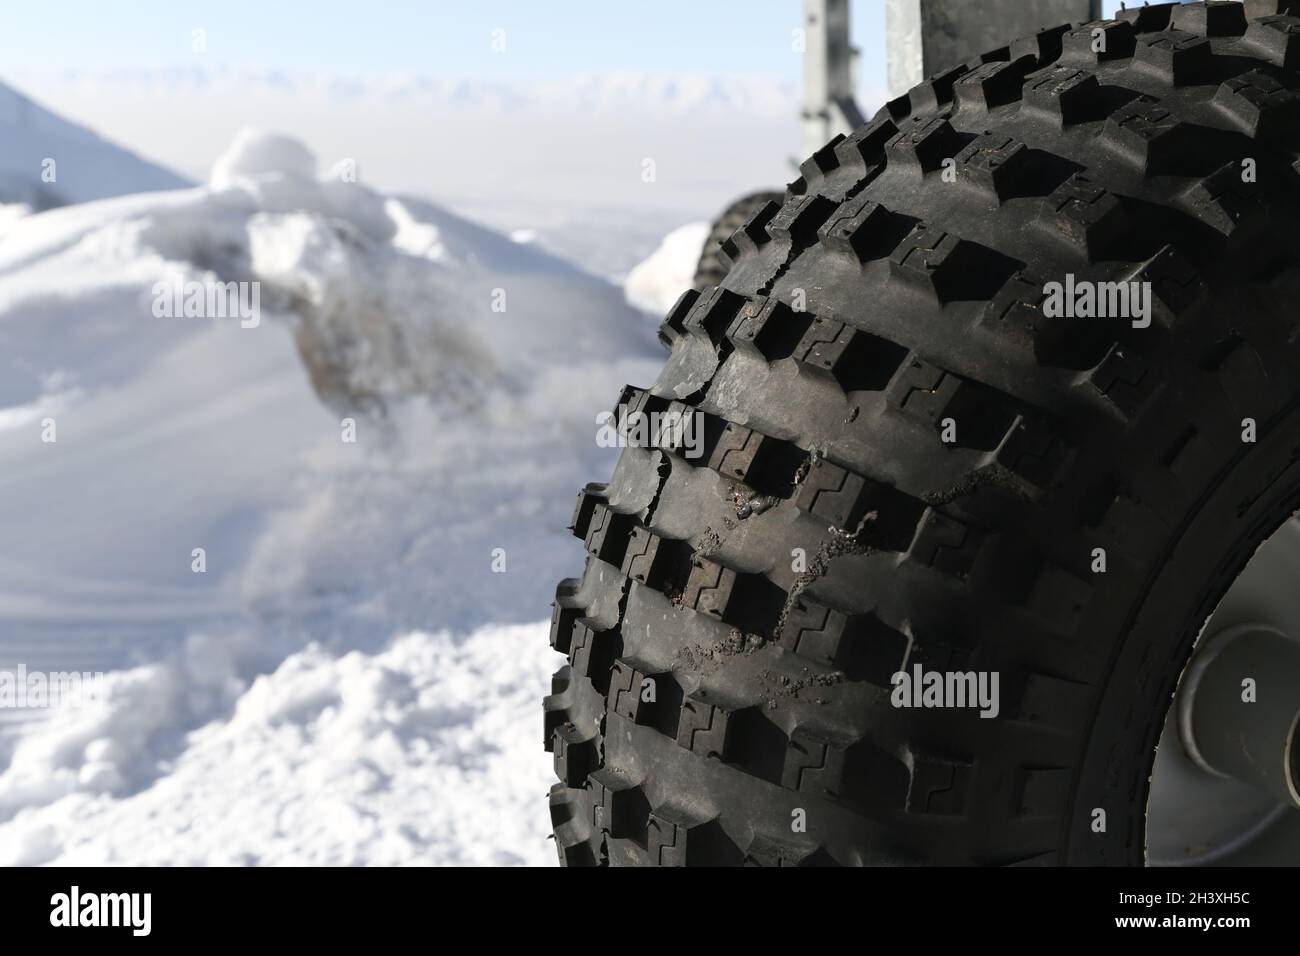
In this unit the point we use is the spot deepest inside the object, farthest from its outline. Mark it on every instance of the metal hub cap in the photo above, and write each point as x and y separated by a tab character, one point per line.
1225	787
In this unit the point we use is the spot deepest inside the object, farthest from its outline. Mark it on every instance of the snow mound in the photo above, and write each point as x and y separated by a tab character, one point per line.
257	153
655	284
424	751
471	366
389	446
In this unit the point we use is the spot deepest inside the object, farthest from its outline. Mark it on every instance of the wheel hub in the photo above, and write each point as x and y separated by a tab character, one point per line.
1227	767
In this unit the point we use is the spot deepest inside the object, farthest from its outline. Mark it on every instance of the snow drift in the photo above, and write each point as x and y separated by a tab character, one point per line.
656	283
270	534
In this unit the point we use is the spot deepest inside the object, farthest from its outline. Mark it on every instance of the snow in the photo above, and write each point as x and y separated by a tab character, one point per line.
48	161
614	91
657	282
255	153
563	157
349	679
426	750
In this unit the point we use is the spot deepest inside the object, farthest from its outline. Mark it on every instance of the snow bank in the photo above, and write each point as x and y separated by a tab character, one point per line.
391	449
425	751
655	284
472	424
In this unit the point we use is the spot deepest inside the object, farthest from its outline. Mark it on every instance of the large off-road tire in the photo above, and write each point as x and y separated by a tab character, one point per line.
712	267
724	703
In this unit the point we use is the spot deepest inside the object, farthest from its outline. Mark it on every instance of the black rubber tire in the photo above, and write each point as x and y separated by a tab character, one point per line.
713	265
923	303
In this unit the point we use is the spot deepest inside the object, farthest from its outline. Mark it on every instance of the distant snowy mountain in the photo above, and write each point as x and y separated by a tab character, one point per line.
47	161
518	155
756	94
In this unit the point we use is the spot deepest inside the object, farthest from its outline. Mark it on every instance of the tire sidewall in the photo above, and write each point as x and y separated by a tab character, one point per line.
1258	491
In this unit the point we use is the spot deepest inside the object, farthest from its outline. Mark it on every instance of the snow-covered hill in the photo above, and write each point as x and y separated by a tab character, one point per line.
320	666
47	161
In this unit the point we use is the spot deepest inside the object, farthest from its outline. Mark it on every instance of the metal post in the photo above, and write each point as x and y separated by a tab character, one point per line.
829	107
925	37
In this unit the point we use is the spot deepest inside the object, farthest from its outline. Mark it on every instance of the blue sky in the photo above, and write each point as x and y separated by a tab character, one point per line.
449	38
186	125
446	38
544	38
